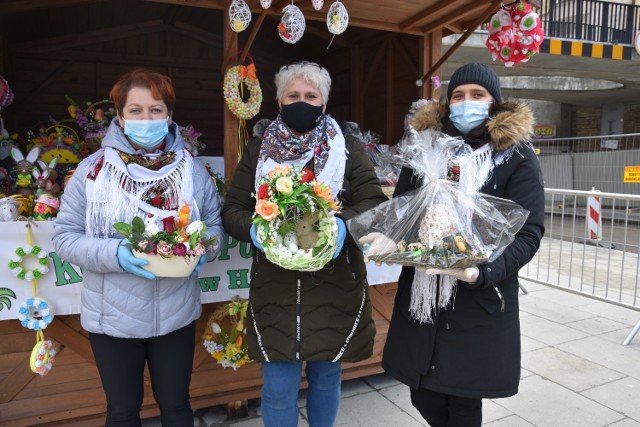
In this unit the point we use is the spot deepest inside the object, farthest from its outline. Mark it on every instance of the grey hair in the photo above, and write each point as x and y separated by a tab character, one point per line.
310	72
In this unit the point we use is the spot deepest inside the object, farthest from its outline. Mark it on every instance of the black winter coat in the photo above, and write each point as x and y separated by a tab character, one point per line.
335	311
472	349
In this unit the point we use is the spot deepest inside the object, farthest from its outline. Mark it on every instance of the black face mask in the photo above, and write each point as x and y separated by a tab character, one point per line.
300	116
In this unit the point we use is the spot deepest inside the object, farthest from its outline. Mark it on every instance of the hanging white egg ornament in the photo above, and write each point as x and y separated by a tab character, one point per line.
239	15
292	25
266	4
317	4
337	18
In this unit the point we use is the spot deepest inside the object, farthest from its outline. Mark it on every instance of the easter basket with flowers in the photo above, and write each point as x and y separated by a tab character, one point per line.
295	219
172	246
93	120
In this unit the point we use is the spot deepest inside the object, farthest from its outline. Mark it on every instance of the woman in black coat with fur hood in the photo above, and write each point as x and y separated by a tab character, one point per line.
471	350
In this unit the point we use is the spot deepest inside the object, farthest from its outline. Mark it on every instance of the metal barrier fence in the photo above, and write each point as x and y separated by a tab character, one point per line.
591	247
586	162
590	20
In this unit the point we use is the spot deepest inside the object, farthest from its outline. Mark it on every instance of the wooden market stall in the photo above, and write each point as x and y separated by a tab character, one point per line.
53	48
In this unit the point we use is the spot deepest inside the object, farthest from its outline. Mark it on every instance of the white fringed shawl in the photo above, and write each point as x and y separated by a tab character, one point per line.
116	193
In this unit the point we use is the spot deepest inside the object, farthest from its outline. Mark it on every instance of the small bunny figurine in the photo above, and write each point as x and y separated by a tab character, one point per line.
307	236
23	167
41	179
51	186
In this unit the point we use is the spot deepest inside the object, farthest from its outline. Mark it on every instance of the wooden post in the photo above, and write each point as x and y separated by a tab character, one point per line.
230	134
430	51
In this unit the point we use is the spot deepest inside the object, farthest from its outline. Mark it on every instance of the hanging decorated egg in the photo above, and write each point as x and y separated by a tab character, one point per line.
515	34
337	18
317	4
239	15
292	25
6	94
266	4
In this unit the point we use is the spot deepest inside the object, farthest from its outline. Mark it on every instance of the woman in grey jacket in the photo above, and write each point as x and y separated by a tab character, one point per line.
131	315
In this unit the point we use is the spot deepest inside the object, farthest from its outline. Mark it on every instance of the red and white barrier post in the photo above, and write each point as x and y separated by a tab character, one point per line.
594	218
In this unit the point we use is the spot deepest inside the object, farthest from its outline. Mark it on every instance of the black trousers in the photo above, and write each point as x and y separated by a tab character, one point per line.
121	364
445	410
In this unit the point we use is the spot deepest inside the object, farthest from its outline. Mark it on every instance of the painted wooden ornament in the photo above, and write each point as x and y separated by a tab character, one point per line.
239	15
292	25
337	18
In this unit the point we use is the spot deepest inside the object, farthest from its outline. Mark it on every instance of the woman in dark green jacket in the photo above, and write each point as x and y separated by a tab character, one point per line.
324	317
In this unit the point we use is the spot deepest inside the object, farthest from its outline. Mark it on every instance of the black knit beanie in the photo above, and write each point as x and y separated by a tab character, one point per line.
478	74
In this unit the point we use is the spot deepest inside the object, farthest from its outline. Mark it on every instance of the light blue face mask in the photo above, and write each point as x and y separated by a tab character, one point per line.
468	115
147	134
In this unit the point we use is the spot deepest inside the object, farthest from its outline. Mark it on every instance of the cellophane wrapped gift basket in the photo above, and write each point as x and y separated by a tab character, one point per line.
445	223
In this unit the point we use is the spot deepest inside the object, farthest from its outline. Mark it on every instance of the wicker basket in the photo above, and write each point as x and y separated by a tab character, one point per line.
311	260
93	139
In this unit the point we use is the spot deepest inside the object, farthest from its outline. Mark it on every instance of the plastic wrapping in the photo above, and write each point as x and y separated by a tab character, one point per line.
445	223
381	156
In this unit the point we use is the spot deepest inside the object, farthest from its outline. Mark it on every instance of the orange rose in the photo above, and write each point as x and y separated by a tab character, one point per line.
267	209
279	171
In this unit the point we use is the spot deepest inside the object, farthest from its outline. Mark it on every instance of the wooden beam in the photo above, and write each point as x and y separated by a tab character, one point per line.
71	339
207	4
252	36
16	380
18	6
430	51
456	16
483	17
421	16
230	134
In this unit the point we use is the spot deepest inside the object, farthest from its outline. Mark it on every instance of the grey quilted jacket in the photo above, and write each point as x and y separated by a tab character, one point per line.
115	302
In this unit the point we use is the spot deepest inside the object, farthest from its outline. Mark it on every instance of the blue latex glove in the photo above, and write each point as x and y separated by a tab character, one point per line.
130	263
201	262
342	234
254	237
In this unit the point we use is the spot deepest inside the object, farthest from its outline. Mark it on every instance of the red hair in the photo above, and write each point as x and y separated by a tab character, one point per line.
159	85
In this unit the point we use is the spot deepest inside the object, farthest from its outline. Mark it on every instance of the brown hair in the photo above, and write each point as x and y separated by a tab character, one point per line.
159	85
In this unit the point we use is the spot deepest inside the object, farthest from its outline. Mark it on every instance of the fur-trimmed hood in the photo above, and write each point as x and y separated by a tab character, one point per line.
511	124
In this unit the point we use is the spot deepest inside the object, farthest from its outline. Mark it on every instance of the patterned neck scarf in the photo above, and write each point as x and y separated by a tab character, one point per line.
281	145
152	162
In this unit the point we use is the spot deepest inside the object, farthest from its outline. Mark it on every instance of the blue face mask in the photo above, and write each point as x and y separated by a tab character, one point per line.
147	134
468	115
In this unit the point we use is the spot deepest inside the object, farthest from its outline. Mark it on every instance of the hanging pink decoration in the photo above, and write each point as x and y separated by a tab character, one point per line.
317	4
6	94
515	34
266	4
